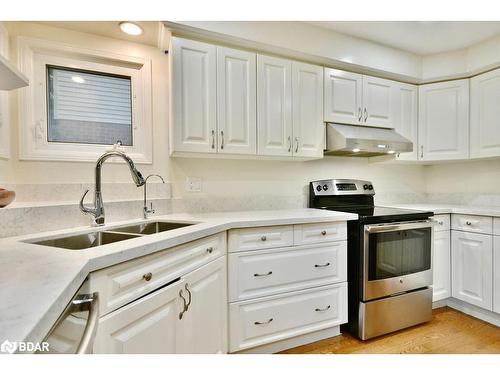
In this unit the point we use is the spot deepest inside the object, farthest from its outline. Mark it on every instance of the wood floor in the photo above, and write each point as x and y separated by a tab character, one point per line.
450	331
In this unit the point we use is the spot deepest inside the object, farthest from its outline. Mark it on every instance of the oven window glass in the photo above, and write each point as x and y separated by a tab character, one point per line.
399	253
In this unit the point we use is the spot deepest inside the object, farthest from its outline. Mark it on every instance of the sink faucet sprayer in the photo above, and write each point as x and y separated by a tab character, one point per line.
97	211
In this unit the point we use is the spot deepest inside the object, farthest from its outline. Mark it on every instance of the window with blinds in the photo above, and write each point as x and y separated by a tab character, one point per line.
88	107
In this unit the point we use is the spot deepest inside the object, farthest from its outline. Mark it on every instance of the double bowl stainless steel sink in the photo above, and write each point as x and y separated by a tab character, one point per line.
98	238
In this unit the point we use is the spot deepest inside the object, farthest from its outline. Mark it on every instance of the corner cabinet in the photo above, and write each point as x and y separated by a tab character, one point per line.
405	114
356	99
485	115
227	101
443	123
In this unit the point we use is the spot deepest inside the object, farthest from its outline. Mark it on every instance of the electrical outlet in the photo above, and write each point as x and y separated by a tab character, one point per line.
193	184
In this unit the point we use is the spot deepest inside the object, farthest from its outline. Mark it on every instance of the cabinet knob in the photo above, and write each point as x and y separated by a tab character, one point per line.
210	250
468	223
323	232
263	238
148	276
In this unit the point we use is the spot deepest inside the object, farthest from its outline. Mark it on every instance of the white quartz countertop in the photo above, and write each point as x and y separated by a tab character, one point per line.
37	282
439	208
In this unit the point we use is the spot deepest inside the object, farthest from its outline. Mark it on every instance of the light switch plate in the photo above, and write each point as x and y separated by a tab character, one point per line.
194	184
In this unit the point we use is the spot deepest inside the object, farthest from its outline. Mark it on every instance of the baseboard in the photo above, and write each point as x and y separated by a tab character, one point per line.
293	342
440	303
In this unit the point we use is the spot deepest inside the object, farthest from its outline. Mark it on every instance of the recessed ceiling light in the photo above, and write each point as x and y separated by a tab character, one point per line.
77	79
131	28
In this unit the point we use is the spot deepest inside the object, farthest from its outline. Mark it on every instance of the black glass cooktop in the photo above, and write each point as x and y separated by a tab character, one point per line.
381	214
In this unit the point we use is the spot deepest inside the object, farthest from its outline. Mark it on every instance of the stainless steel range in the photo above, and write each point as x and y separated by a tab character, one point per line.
389	258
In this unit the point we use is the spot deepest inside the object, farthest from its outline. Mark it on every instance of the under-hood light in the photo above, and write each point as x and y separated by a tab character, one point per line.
391	152
356	150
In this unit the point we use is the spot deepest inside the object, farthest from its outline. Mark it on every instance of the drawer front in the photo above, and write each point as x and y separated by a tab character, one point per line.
260	273
472	223
260	238
120	284
496	226
443	222
265	320
305	234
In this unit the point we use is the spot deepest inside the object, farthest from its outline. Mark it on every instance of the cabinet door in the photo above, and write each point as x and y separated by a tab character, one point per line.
146	326
378	101
472	268
203	327
485	115
274	106
307	104
343	97
236	101
496	274
405	115
441	266
193	96
443	122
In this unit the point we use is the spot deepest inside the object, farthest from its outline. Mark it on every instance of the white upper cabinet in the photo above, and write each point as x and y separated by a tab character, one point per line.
405	115
485	115
236	101
307	104
274	106
343	97
378	102
472	268
193	97
444	120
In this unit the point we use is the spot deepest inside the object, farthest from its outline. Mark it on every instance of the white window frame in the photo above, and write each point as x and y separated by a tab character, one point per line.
34	56
4	101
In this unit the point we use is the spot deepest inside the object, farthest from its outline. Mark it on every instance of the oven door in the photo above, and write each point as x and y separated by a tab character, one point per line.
397	258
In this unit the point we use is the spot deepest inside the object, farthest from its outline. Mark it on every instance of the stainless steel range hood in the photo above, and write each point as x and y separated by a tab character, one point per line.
351	140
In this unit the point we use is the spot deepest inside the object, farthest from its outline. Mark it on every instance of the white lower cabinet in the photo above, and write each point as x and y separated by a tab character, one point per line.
187	316
496	274
269	319
472	268
441	263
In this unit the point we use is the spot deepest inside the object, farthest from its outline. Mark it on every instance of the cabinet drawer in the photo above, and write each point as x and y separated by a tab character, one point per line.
305	234
265	320
259	273
472	223
260	238
443	222
496	226
125	282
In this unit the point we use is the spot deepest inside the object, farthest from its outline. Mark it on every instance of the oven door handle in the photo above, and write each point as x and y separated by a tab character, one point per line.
380	228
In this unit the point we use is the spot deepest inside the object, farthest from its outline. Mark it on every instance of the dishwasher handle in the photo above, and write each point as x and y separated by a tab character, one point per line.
90	303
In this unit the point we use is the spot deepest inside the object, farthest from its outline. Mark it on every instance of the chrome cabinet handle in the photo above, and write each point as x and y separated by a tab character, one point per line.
263	238
323	232
189	296
289	144
184	305
266	322
422	151
147	276
440	223
326	308
210	250
262	274
297	145
366	114
87	342
360	114
222	140
322	265
213	138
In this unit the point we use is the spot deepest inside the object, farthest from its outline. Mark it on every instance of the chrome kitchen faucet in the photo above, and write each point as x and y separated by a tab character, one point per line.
97	211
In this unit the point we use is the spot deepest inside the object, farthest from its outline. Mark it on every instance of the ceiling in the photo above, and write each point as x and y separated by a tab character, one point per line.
112	30
420	37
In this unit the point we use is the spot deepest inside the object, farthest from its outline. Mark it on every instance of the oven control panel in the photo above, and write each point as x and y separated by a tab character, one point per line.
342	187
